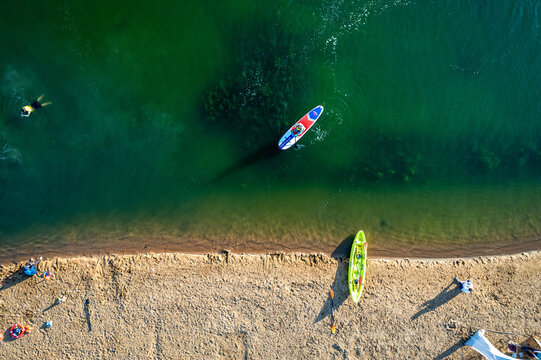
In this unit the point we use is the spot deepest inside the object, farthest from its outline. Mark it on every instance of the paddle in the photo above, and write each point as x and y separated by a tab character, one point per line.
333	327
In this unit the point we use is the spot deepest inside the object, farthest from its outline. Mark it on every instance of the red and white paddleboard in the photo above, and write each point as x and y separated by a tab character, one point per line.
300	128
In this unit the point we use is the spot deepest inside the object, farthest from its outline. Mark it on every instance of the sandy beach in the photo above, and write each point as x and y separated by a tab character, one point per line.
274	306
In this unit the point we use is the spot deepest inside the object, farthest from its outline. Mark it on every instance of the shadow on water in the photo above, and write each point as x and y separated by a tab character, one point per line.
342	251
443	297
264	153
339	285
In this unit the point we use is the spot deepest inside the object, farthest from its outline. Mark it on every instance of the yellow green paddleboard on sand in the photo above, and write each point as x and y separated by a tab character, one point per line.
357	266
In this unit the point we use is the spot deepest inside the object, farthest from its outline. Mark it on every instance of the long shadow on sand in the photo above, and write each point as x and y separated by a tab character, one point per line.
451	350
443	297
7	336
87	314
339	285
266	152
16	277
50	307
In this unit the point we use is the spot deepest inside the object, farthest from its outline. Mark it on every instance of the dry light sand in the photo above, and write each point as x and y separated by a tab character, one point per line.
228	306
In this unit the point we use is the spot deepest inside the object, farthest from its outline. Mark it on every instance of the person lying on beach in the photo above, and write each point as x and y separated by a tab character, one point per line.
30	268
465	286
29	109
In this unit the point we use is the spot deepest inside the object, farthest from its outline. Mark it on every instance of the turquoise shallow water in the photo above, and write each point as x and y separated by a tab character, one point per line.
165	120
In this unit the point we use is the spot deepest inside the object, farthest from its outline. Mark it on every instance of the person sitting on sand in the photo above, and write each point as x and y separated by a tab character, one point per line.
30	268
29	109
17	331
465	286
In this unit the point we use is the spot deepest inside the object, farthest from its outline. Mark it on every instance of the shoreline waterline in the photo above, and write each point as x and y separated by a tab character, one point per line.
400	251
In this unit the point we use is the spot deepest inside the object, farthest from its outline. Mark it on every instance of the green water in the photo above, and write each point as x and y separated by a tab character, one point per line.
165	118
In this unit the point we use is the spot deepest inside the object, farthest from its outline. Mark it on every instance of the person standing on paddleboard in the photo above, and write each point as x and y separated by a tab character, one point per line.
29	109
297	130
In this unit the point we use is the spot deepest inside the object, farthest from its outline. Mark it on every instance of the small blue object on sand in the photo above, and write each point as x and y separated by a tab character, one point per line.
48	324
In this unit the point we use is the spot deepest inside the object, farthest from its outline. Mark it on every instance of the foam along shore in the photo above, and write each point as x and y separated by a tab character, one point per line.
229	306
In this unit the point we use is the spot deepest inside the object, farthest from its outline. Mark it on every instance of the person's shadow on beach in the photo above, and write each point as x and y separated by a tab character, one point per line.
7	336
56	303
87	314
339	285
443	297
16	277
451	350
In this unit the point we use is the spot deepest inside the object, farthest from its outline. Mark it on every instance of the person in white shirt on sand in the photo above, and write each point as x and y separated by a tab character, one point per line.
465	286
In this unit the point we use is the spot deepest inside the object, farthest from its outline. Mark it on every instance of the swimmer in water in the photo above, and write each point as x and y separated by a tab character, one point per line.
29	109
